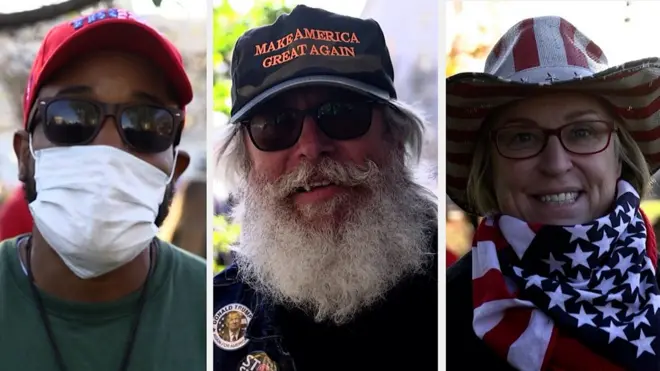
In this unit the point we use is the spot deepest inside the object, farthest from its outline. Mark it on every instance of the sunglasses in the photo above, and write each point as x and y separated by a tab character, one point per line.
146	128
279	129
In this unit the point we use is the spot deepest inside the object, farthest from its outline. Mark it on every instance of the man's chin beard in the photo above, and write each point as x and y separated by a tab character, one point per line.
326	216
334	272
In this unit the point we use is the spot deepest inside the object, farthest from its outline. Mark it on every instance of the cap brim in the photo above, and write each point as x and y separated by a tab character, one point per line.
127	36
318	80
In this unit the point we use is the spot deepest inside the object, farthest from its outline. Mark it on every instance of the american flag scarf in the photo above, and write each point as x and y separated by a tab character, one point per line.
582	297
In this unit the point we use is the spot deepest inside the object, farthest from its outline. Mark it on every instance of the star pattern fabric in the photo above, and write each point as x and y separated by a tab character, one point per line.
594	281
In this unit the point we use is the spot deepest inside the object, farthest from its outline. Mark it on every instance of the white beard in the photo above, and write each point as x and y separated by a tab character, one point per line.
334	270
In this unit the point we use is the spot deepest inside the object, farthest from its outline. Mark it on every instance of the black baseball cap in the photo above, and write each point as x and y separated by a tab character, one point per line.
309	47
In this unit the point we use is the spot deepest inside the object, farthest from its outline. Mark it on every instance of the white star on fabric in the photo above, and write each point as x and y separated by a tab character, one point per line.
633	307
603	269
579	231
579	281
587	296
644	287
624	263
584	318
639	244
617	296
579	257
636	220
621	228
641	318
648	264
555	265
631	212
643	344
603	222
534	280
615	332
604	244
606	285
608	310
557	298
619	209
517	271
654	300
632	281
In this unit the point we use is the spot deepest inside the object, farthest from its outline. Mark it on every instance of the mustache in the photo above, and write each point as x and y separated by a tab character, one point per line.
326	171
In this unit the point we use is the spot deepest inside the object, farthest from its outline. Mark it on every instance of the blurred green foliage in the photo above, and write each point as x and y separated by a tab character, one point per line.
224	234
228	26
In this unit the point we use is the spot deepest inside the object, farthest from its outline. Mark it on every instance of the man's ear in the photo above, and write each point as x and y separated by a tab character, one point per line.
182	162
23	155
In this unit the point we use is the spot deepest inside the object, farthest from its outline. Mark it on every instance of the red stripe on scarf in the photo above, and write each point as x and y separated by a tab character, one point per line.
569	354
489	233
651	243
536	227
508	330
491	286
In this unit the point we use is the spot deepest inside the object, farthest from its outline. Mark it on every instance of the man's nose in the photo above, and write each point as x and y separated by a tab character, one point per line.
109	134
313	143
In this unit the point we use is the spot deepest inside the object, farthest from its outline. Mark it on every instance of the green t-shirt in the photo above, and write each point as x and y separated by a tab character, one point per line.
92	336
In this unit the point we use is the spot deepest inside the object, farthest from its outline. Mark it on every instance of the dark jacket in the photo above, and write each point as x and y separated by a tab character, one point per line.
465	351
398	333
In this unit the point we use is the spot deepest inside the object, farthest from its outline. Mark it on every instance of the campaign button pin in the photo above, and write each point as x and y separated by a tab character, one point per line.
230	325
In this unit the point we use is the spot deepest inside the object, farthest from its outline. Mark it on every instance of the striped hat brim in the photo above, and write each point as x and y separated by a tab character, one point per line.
632	88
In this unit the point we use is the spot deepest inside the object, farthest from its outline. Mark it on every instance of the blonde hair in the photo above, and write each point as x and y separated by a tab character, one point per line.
481	195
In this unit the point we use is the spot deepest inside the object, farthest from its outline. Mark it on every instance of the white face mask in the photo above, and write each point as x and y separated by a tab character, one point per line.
96	205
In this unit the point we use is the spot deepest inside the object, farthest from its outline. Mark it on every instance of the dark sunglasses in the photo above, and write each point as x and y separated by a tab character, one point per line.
279	129
146	128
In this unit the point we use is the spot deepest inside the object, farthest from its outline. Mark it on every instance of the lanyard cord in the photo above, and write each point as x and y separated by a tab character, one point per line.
46	322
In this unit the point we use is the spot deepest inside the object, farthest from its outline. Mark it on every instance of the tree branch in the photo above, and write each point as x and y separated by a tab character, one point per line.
10	21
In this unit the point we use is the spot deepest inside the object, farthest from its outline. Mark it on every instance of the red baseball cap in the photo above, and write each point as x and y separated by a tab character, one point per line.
107	29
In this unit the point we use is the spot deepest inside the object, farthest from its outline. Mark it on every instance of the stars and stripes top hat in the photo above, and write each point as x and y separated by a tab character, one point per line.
547	54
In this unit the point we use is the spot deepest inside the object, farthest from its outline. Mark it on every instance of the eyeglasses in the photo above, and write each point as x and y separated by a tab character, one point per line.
581	138
145	128
280	129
